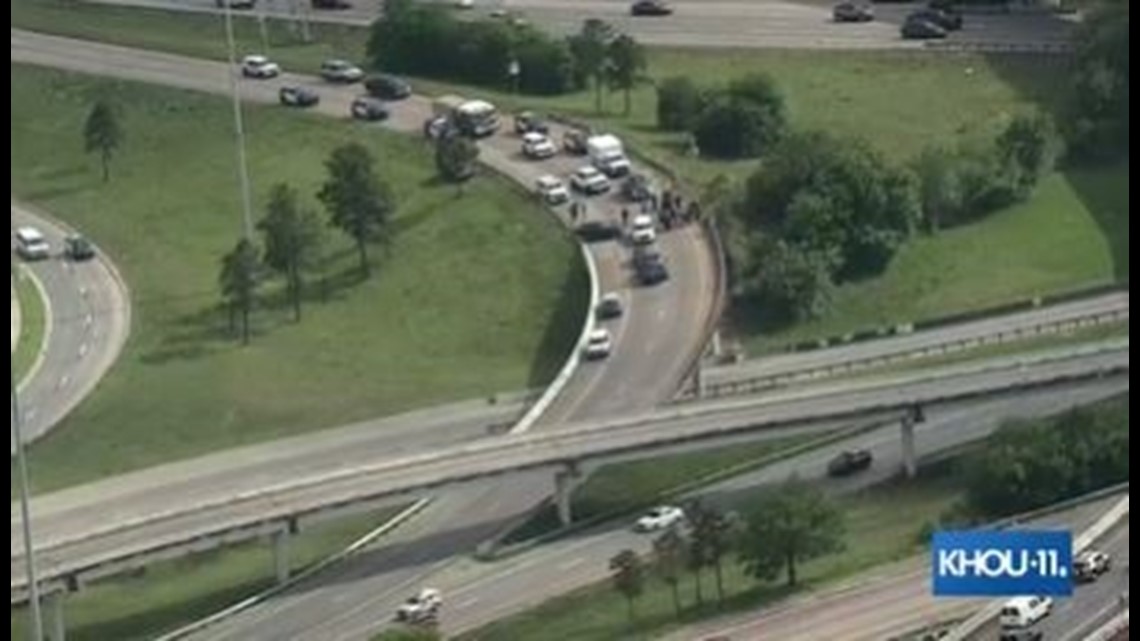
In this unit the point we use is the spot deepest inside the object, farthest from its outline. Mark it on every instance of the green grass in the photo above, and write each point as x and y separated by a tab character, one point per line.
882	525
1104	192
32	319
174	593
477	294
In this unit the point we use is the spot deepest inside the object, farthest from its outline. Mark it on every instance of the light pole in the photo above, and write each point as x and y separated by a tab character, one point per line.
25	511
239	127
513	70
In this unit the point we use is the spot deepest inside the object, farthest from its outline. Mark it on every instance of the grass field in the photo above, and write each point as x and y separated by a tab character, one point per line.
174	593
476	295
881	527
32	319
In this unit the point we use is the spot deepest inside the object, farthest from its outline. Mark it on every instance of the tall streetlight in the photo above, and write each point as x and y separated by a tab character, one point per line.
25	512
239	127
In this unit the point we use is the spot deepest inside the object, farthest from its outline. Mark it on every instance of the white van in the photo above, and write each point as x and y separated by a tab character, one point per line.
1024	611
31	244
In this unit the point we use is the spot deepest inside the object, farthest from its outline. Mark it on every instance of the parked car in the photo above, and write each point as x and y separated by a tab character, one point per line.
944	18
598	345
852	12
650	8
368	108
590	181
331	4
636	188
594	231
609	306
293	96
256	66
31	244
387	87
661	517
644	231
235	4
421	607
552	189
341	71
919	29
1090	564
648	265
464	4
849	462
574	142
528	121
437	127
76	247
537	146
1024	611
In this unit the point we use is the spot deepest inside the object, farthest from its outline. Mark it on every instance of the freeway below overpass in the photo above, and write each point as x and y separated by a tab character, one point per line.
85	542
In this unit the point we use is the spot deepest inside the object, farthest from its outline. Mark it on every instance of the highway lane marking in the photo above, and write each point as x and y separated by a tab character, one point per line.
573	563
466	603
63	381
88	319
83	291
82	350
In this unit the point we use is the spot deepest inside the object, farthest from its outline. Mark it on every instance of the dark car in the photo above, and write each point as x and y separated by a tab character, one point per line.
78	248
331	4
1021	635
529	121
574	141
298	97
650	8
947	19
919	29
1089	565
368	108
852	12
849	462
636	188
235	4
595	231
387	87
651	273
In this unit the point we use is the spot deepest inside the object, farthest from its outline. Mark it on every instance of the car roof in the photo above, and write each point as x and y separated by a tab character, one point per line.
256	57
599	334
549	180
29	233
533	136
611	296
588	170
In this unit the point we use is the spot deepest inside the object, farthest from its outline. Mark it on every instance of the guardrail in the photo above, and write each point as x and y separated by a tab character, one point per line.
1050	48
752	385
1111	628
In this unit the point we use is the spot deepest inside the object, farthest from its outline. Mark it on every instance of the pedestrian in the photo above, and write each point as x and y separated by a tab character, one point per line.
653	202
574	211
624	217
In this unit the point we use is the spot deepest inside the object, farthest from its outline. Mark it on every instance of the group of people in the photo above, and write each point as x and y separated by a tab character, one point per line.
670	208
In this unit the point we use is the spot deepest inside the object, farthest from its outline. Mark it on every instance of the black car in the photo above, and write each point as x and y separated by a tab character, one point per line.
636	188
919	29
78	248
852	12
298	97
331	4
594	231
235	4
945	18
1021	635
849	462
650	8
651	272
387	87
529	121
368	108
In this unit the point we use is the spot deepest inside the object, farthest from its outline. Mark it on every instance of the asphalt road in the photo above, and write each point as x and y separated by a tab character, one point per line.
87	324
1092	604
705	23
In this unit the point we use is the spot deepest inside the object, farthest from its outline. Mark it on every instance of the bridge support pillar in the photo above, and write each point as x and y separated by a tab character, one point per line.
909	457
564	482
281	555
55	628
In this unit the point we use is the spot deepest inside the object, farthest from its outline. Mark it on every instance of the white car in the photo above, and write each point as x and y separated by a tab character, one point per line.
589	180
259	67
31	244
552	190
464	4
598	344
341	71
537	146
661	517
420	607
1024	611
644	232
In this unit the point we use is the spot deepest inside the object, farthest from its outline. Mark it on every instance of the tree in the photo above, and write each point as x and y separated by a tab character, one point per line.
791	284
590	50
713	528
669	551
455	158
790	524
759	89
939	187
1099	107
292	237
239	279
679	103
102	134
696	559
731	128
629	577
1027	149
627	63
358	201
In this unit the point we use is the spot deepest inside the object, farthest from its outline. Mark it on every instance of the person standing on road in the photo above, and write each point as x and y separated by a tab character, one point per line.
624	217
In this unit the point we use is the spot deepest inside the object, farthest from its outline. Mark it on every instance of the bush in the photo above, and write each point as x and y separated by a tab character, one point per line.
679	103
958	187
730	128
790	284
1100	99
1027	149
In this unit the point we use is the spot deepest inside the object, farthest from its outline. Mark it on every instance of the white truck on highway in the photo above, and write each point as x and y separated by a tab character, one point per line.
475	118
607	154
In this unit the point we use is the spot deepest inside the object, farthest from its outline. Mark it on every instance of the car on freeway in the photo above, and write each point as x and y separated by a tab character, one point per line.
650	8
293	96
849	462
661	517
76	247
31	244
643	231
528	121
852	12
331	4
387	87
341	71
368	108
574	142
596	231
420	607
552	189
919	29
256	66
463	4
598	345
1024	611
537	146
648	265
235	4
609	306
1090	564
590	181
636	188
1021	635
947	19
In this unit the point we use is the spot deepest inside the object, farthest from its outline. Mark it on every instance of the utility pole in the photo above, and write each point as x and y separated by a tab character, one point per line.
239	128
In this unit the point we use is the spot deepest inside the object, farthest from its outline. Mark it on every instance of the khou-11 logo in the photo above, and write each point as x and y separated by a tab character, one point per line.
1002	563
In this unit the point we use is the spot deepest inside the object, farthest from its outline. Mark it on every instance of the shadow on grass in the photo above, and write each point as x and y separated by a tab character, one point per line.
1104	191
564	325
